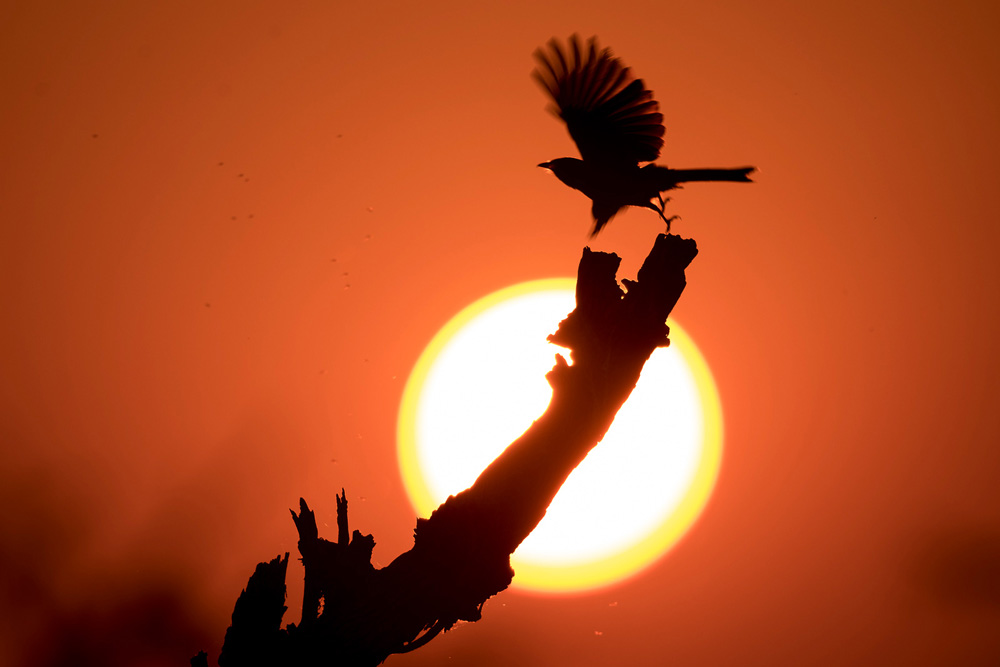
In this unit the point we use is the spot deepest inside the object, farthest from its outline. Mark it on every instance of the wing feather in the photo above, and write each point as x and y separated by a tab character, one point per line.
610	114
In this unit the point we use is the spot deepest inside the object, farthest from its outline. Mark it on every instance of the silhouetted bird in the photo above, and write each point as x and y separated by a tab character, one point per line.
616	124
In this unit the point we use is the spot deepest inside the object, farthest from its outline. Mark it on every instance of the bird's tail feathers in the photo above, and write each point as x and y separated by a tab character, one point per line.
737	175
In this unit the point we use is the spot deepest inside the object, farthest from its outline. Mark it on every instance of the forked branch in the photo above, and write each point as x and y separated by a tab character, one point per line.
354	614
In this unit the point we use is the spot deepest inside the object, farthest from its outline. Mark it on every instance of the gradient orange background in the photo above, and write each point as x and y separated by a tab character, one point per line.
228	232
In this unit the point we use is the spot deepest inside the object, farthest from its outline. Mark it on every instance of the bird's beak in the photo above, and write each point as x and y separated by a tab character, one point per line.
545	165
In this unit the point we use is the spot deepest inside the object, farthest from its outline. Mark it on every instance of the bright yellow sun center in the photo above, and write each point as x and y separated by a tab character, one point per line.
481	382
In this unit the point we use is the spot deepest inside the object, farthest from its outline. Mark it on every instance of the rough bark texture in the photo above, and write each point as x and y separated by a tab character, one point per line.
353	614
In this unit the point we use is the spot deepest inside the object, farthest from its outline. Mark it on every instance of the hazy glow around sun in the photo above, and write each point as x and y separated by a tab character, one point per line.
481	382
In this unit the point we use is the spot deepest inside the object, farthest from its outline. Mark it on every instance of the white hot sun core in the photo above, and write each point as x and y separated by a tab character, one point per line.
481	383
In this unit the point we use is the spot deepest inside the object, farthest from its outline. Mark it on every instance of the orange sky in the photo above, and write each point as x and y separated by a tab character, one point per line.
228	232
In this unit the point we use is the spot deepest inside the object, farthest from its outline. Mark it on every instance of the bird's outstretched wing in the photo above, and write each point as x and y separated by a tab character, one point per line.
611	116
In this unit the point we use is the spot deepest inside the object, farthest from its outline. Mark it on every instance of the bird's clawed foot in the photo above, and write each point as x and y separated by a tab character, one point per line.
659	209
669	220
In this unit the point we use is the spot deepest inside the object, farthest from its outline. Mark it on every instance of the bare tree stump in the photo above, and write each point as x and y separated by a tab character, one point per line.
353	614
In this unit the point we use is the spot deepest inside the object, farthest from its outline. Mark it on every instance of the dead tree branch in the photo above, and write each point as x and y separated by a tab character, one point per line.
353	614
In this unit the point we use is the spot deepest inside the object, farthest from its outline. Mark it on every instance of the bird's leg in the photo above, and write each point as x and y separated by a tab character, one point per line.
659	209
668	220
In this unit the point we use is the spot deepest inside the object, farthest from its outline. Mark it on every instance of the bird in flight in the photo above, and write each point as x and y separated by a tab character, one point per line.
616	124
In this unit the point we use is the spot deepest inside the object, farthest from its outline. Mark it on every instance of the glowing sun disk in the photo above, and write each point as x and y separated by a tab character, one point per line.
481	382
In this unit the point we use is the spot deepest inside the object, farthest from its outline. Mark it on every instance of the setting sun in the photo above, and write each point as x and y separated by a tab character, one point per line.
481	382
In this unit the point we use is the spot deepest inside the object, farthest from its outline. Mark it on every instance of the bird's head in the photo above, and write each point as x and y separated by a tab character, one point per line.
569	170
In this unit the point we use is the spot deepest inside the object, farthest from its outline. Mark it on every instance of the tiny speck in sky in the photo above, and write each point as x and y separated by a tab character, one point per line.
208	304
221	163
370	209
368	237
613	604
598	633
232	217
339	136
239	175
250	216
93	136
246	180
347	286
